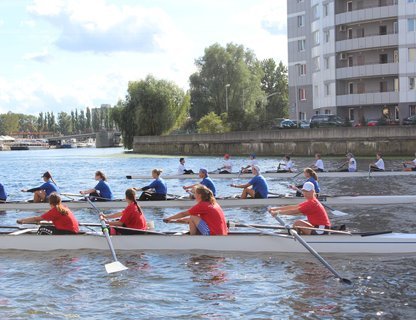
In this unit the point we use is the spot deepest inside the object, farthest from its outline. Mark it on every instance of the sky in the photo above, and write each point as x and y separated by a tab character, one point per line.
58	55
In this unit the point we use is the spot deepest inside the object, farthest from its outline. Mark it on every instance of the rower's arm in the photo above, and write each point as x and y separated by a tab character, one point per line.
189	187
35	219
113	215
179	215
88	191
240	185
286	210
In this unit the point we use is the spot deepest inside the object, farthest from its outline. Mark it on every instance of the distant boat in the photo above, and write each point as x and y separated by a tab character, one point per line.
90	143
29	145
69	144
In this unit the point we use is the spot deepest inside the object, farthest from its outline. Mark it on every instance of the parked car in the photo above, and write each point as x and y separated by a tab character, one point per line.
326	120
410	120
284	124
373	123
304	124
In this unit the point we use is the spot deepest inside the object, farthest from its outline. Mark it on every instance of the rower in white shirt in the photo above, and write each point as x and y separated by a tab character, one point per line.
319	164
253	162
410	165
352	164
287	166
227	166
379	164
182	169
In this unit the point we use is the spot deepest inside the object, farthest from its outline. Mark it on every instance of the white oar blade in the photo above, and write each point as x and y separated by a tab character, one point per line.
339	213
115	266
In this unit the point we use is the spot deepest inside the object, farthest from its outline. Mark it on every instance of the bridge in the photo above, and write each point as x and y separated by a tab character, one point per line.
103	139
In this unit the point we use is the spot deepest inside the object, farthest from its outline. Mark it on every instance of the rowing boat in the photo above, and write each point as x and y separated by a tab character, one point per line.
224	202
384	243
359	174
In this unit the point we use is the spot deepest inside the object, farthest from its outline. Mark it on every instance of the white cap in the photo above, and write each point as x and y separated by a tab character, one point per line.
257	168
308	186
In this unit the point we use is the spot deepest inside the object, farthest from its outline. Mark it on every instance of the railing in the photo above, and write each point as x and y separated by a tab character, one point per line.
362	5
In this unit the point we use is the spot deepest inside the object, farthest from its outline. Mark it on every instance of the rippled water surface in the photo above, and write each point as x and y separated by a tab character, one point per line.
188	285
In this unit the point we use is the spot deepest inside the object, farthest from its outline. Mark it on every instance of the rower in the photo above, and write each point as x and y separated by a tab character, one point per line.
319	164
287	165
42	193
311	208
3	195
64	221
256	188
227	166
132	216
182	169
249	168
102	191
205	218
310	176
206	181
411	163
352	164
379	164
159	185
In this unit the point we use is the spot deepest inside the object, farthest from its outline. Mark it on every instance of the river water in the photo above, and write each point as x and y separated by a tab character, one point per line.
74	285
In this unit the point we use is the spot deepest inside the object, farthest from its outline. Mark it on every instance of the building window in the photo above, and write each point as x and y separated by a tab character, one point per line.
396	85
316	38
349	6
412	110
315	91
299	1
350	88
326	63
302	94
350	61
327	111
301	21
351	115
349	33
327	89
383	58
327	35
411	24
412	83
302	69
325	8
382	30
396	27
383	86
302	116
360	88
396	113
412	54
317	112
316	64
301	45
396	56
315	12
360	33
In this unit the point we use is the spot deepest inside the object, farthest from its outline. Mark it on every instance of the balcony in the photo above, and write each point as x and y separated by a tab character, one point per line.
377	13
368	42
370	70
381	98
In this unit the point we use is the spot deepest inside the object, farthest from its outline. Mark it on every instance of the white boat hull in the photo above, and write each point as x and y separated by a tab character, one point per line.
393	243
226	203
284	175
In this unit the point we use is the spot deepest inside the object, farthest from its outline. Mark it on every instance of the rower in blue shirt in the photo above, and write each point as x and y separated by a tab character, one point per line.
41	193
102	191
256	188
3	195
311	176
158	185
206	181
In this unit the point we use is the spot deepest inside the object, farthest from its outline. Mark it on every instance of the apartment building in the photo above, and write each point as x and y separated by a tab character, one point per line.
353	58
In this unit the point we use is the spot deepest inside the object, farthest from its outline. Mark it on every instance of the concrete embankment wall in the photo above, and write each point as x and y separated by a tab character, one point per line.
364	141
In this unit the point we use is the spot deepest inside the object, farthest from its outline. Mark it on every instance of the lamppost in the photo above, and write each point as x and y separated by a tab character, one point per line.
226	97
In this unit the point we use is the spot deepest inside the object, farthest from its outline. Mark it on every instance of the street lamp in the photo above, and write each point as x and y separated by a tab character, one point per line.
226	97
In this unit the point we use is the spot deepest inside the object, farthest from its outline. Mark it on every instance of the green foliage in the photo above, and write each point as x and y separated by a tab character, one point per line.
64	123
212	123
233	65
17	122
152	107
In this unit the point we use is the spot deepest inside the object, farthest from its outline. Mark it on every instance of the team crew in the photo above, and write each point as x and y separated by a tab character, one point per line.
206	217
311	208
249	167
64	221
256	188
132	217
182	169
102	191
42	193
311	176
379	164
158	185
352	164
3	195
227	166
319	164
206	181
410	165
287	165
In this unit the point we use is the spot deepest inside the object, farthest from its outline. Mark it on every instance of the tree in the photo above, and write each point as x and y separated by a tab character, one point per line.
275	84
64	122
219	67
82	121
9	123
40	122
212	123
152	107
96	120
88	116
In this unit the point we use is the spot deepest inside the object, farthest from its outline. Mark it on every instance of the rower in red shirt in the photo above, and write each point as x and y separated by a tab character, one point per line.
311	208
205	218
64	221
132	216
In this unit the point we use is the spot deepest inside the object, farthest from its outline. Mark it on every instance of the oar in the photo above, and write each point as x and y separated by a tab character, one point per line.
116	265
335	212
311	250
369	171
83	196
